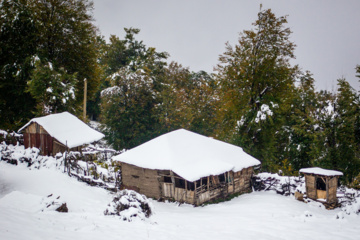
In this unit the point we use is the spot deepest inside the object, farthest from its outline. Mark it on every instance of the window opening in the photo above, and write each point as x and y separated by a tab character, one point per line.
190	186
320	184
167	180
179	183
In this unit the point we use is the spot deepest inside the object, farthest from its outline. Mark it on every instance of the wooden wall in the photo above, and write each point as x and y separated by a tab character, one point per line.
164	184
242	180
144	181
36	136
208	188
331	188
310	183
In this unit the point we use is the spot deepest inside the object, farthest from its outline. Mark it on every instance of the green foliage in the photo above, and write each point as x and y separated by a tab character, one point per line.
57	31
188	100
129	110
255	77
53	90
67	39
341	148
18	37
355	182
129	107
295	139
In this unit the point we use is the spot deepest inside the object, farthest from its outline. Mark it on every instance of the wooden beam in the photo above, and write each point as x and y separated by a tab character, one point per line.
195	193
208	183
85	99
327	189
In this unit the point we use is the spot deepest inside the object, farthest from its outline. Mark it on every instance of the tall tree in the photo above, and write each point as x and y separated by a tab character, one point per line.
339	121
255	77
67	39
18	38
295	139
130	106
188	100
53	90
129	111
57	32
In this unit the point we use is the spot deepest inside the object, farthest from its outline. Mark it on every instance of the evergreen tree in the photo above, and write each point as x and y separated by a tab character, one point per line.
59	32
67	38
129	109
255	78
53	90
338	145
295	139
188	100
130	106
348	114
18	37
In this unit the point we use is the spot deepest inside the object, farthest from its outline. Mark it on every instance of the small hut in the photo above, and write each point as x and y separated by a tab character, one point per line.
186	167
57	133
321	184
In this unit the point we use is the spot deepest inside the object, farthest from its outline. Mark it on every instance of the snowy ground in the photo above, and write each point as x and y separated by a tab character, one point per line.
259	215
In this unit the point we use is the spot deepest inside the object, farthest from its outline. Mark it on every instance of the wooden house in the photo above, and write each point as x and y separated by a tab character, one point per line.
186	167
57	133
321	184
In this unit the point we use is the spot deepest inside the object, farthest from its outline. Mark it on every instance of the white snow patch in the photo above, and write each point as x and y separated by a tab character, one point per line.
259	215
321	171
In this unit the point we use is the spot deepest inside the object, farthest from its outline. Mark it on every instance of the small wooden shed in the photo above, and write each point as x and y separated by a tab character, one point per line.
186	167
321	184
57	133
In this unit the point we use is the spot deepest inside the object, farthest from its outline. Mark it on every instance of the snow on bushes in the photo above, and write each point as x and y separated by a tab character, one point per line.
283	185
95	173
129	205
348	198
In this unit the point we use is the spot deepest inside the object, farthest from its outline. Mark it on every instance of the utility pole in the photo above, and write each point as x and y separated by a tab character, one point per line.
85	97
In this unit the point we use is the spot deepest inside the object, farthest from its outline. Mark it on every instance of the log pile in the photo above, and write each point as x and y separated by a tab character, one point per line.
283	185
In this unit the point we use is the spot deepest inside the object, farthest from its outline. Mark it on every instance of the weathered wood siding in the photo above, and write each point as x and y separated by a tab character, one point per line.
36	136
331	187
165	184
332	190
242	180
310	182
144	181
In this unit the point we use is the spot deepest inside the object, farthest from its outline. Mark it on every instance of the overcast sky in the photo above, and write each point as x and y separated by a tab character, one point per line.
194	32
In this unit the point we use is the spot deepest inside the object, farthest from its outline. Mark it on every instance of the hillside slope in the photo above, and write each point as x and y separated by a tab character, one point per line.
259	215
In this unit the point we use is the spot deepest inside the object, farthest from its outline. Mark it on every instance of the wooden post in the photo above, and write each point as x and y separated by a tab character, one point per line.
208	183
172	177
327	189
85	98
233	181
194	192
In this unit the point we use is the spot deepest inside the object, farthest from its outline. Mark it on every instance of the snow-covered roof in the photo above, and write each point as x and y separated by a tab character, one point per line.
67	129
190	155
321	171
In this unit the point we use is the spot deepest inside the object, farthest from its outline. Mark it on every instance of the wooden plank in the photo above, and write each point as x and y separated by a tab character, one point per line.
195	193
208	183
327	188
333	182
